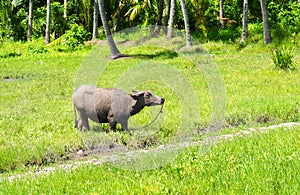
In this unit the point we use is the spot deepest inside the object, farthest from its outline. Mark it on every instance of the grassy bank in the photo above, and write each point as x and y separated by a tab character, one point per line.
260	164
36	119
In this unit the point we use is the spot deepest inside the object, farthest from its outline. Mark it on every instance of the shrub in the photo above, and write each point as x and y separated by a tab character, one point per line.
37	49
75	37
283	58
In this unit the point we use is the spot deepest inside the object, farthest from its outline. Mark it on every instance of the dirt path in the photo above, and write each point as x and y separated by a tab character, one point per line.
98	156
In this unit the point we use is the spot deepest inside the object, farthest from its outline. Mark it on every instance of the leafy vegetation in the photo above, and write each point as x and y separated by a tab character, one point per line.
75	37
283	58
203	16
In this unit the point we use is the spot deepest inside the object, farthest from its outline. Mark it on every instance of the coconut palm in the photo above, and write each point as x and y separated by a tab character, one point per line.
167	15
114	51
65	9
82	8
95	20
29	31
171	20
47	34
138	7
245	21
264	11
159	16
221	13
186	24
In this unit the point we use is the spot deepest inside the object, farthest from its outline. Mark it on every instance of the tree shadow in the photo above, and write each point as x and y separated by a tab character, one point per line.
160	55
10	55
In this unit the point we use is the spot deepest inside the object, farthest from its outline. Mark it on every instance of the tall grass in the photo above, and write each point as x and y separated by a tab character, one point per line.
283	58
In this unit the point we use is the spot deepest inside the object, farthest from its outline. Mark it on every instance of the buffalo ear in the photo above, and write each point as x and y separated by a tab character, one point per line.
135	91
137	94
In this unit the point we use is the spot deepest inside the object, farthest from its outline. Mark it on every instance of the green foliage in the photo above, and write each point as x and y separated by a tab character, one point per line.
101	33
255	33
37	50
16	23
288	15
75	37
57	22
283	58
285	20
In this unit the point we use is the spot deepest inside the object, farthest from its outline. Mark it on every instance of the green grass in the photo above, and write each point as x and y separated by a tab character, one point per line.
264	93
36	120
260	164
36	111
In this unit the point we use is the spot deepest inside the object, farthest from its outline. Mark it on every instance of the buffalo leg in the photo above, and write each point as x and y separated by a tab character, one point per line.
85	122
112	125
79	124
124	125
111	121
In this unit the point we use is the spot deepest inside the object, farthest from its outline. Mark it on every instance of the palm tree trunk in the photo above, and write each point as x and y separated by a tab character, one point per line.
186	24
167	15
267	36
171	20
159	16
245	21
114	51
47	36
95	20
29	32
222	13
65	9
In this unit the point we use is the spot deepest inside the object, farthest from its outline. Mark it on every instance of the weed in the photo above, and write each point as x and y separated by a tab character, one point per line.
75	37
283	58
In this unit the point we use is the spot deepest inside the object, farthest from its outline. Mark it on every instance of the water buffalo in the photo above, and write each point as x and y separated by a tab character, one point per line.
109	105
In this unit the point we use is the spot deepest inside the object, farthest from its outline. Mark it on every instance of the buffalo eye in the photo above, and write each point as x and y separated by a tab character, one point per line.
148	95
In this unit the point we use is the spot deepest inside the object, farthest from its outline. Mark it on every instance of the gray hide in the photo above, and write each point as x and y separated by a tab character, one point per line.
109	105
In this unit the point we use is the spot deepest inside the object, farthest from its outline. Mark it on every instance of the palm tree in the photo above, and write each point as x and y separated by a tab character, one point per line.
114	51
65	9
95	20
167	15
186	24
222	13
264	11
171	20
29	32
139	7
47	34
245	21
159	16
82	7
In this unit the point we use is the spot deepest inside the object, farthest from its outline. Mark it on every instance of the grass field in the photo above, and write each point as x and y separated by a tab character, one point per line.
36	121
260	164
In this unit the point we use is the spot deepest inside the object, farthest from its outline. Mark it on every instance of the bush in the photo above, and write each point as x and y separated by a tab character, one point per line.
75	37
283	58
284	20
37	49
